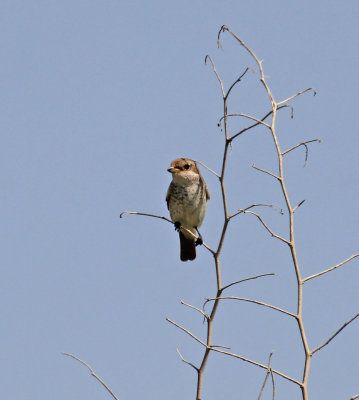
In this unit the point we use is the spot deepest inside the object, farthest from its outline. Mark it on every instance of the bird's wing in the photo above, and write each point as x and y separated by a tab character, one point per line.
168	196
207	192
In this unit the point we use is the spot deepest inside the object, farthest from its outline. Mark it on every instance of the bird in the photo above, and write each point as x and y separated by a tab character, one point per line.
186	199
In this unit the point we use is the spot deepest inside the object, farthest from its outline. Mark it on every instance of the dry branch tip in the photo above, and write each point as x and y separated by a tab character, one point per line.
331	268
187	362
335	334
92	373
298	205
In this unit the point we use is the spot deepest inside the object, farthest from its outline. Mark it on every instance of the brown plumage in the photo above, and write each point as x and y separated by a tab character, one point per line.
186	199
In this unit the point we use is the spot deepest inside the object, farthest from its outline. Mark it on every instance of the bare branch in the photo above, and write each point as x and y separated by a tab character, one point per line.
335	334
254	125
273	384
92	373
298	205
267	228
266	377
298	94
236	81
187	331
144	214
258	365
255	58
187	362
354	397
168	220
219	346
301	144
209	169
243	210
195	237
266	172
258	121
208	57
306	148
195	308
255	302
332	268
246	279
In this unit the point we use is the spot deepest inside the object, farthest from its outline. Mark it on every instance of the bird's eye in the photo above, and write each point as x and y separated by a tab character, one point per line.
186	166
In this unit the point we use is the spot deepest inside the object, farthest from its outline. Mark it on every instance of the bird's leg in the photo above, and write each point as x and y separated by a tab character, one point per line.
199	240
177	226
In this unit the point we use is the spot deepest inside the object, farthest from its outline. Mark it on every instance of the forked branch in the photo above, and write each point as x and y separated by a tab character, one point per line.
269	372
305	144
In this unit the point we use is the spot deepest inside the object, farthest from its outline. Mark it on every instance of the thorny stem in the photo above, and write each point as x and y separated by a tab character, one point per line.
291	242
216	255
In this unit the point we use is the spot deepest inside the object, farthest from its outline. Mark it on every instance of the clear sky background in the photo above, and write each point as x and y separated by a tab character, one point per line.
97	98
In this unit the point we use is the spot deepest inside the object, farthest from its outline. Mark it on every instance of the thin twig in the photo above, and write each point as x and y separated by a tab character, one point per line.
255	58
209	169
258	365
255	302
219	346
273	384
258	121
208	57
187	331
185	361
144	214
267	228
266	377
335	334
331	269
168	220
354	397
195	308
301	144
92	373
266	172
246	279
254	125
243	210
298	205
232	354
297	94
235	82
306	148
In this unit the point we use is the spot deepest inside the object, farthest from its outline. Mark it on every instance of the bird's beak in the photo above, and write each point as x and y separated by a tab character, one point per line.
172	170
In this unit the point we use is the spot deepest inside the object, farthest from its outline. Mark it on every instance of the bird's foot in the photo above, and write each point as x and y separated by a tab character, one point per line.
177	226
199	240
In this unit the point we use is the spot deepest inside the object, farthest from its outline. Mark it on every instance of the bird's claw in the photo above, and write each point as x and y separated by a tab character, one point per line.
199	241
177	226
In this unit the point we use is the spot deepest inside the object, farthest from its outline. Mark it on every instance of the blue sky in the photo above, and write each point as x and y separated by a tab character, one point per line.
97	98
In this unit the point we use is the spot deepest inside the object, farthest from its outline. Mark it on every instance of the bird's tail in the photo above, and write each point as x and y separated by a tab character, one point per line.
188	247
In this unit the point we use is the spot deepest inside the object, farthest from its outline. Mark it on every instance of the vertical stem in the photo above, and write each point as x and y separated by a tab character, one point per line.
292	246
201	370
200	373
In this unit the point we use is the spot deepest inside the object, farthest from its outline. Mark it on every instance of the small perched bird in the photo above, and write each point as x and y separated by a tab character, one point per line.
186	200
